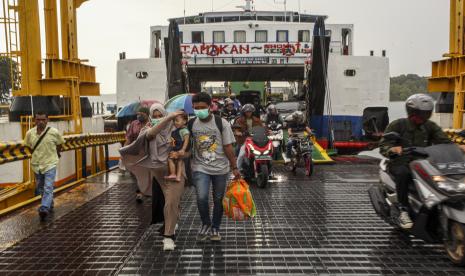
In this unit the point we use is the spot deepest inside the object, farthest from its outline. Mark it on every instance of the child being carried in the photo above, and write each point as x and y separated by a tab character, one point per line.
180	142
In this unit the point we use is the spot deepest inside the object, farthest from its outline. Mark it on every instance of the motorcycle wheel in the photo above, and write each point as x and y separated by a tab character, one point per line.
455	246
308	166
262	179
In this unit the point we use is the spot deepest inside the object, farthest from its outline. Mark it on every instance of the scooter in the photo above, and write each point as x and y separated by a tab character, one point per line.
302	153
276	135
258	157
436	197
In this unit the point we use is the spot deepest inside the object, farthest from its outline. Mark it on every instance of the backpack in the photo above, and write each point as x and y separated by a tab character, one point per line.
187	164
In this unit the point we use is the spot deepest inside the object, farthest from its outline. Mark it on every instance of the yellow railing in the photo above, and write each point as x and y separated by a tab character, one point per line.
18	195
16	151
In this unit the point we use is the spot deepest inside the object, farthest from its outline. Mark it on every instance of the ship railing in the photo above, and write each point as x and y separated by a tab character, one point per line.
16	195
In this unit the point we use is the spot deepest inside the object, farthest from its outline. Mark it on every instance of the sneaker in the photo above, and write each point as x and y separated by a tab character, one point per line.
404	220
203	233
139	198
168	244
215	235
43	213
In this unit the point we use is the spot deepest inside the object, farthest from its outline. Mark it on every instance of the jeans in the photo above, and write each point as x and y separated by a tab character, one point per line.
402	177
202	184
44	187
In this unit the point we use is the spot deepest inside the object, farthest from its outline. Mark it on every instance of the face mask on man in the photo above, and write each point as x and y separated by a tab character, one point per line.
202	113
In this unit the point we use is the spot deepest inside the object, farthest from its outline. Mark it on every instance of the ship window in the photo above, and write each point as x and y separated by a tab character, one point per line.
265	18
230	18
240	36
304	36
214	19
282	36
247	17
350	73
261	36
218	37
181	37
197	37
142	75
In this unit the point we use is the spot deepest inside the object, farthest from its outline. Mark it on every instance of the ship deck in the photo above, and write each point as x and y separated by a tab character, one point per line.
321	225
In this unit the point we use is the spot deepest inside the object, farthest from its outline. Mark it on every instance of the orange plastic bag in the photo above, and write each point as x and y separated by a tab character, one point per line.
238	203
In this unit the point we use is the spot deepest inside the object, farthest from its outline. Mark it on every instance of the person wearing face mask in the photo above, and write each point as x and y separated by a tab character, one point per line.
416	131
137	125
147	158
212	161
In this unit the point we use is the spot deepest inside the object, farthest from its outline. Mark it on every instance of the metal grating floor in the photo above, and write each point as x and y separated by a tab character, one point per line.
322	225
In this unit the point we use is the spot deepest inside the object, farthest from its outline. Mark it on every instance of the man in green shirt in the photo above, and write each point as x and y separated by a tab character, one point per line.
45	143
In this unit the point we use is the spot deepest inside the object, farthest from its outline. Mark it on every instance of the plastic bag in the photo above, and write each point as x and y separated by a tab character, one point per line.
238	203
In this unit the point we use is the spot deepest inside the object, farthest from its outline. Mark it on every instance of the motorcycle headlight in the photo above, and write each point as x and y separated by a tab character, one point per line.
447	185
256	152
266	152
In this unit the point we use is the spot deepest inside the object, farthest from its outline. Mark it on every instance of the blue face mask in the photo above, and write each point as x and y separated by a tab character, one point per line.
202	113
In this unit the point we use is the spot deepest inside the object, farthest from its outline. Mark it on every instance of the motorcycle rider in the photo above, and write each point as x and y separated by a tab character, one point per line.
237	103
296	125
229	111
272	116
245	123
416	131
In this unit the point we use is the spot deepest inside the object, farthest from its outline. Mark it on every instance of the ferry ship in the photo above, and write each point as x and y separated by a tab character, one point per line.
267	46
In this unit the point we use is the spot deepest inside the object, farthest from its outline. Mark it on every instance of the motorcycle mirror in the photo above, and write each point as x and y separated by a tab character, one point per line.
392	136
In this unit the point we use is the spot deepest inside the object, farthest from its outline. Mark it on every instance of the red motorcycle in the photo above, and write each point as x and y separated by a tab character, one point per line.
258	157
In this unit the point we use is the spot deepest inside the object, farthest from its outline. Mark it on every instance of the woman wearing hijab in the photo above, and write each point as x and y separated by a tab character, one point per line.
147	158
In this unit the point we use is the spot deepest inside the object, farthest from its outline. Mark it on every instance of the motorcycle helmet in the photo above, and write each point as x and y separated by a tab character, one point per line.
271	109
248	108
298	117
228	101
420	106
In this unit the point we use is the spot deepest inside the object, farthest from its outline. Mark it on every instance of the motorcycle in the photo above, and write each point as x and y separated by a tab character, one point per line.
302	153
436	196
258	157
276	135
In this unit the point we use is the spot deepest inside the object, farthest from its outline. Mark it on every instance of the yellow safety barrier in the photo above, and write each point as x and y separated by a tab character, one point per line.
16	151
18	195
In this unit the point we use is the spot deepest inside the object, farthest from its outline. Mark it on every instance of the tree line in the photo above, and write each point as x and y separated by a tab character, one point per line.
404	86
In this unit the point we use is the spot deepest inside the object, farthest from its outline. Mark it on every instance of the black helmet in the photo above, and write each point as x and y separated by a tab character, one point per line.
421	105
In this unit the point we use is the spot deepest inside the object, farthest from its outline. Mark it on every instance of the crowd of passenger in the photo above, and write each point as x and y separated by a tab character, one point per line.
167	152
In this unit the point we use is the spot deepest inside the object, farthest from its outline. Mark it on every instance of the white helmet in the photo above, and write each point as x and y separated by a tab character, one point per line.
298	116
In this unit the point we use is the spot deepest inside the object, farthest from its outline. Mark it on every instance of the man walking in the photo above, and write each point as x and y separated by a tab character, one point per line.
212	162
45	143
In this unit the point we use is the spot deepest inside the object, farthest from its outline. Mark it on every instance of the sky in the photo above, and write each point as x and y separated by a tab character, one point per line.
414	32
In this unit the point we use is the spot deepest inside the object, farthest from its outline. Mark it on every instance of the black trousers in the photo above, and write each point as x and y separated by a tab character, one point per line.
402	177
